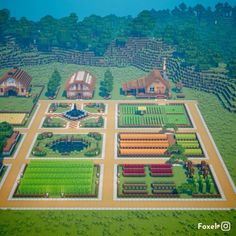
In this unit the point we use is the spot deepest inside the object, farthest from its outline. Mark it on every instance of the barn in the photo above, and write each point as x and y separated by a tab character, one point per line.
15	82
81	85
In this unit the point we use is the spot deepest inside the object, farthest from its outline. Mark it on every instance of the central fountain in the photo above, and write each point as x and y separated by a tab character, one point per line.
74	113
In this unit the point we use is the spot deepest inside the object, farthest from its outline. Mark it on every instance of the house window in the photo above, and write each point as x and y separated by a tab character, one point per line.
1	90
22	90
11	82
152	89
73	87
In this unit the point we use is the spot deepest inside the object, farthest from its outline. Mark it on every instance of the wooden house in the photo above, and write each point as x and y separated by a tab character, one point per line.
15	82
151	86
81	85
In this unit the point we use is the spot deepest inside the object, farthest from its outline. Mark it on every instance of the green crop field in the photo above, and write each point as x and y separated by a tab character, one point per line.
57	177
190	143
154	116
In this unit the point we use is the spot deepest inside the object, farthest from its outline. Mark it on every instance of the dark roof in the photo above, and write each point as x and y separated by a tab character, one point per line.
154	76
19	75
82	77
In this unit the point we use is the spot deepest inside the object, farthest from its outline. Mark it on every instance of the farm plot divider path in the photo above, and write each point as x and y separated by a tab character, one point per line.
108	200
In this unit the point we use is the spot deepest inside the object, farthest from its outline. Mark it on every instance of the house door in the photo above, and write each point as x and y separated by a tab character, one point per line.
11	91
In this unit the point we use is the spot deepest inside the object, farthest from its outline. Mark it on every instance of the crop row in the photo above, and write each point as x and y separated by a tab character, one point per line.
185	136
56	164
133	171
56	175
155	120
144	120
142	152
79	182
59	170
189	145
161	170
53	189
192	152
152	109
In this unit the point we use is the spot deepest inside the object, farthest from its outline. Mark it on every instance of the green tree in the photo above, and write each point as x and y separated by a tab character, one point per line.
53	84
143	25
106	86
6	129
176	149
177	158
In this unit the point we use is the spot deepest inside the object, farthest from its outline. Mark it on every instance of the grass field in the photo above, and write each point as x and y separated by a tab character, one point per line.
115	223
57	177
18	104
221	124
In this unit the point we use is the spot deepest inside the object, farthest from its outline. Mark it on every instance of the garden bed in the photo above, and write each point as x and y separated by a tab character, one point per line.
143	144
59	107
165	181
52	145
152	115
92	122
54	122
94	107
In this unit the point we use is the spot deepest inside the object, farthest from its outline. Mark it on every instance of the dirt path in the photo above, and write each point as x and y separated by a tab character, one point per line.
109	161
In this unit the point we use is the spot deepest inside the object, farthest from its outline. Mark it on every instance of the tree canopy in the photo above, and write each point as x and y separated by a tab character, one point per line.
203	36
6	131
53	84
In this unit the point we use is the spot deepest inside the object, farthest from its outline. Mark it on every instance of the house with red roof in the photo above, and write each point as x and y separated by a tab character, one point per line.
15	82
80	85
150	86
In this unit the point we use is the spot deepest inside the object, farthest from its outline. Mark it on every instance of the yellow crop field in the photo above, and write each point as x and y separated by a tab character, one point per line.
12	118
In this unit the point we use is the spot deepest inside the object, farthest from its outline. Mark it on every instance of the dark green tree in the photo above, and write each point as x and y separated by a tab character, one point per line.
53	84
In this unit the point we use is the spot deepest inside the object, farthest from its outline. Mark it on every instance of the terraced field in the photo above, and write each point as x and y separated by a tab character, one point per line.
152	115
